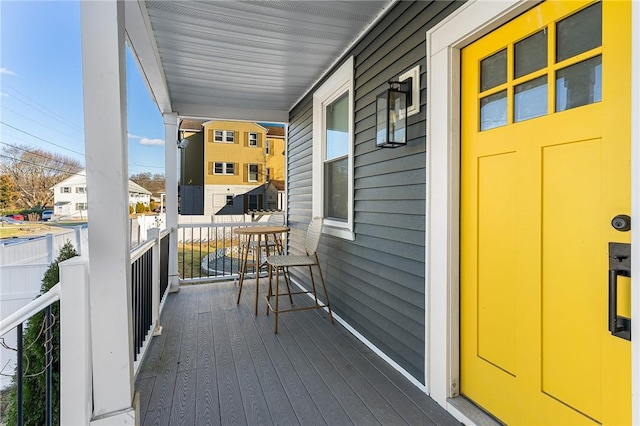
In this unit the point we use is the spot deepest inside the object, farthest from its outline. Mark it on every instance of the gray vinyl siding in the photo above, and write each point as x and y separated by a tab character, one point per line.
377	282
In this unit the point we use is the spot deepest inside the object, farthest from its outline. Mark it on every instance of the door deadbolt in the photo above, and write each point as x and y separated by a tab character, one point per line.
621	223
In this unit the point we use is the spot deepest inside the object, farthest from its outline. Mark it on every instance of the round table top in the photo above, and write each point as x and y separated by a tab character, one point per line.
255	230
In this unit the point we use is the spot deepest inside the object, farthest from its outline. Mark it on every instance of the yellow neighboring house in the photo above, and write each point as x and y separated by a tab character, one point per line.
243	167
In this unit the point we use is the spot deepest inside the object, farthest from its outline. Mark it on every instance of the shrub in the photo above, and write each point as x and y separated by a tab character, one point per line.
34	353
139	207
130	209
33	217
152	206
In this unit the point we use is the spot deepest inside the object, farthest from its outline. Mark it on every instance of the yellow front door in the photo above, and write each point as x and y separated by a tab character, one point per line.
545	167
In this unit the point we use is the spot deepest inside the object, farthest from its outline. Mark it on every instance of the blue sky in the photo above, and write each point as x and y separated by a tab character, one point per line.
41	86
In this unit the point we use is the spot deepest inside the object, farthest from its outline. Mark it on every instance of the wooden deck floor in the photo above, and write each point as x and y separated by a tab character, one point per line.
216	363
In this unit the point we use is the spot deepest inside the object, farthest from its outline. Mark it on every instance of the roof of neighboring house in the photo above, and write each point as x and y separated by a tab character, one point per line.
80	178
275	130
278	184
134	187
191	125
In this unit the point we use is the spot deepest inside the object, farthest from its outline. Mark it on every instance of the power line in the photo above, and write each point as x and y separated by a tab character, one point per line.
41	107
32	152
43	140
76	137
34	164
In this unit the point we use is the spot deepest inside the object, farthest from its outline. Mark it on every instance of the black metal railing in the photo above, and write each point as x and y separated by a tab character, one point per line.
27	357
141	300
164	264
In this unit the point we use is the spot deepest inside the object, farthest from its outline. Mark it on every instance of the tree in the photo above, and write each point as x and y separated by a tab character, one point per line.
8	193
154	183
34	171
34	353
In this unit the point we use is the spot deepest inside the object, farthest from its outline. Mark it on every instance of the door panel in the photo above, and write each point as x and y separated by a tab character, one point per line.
545	167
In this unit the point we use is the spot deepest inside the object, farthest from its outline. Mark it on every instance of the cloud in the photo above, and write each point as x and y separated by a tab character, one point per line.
152	142
132	136
7	71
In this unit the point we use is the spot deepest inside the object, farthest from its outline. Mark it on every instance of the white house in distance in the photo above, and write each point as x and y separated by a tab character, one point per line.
70	196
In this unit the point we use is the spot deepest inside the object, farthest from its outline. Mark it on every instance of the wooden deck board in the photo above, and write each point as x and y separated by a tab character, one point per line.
217	363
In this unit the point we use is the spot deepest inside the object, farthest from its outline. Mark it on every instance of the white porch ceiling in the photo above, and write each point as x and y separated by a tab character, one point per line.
250	60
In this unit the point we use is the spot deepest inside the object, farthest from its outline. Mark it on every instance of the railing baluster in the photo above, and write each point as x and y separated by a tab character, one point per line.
20	373
49	363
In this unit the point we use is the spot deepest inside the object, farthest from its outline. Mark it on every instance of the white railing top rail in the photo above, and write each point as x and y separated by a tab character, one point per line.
219	224
142	248
139	250
29	310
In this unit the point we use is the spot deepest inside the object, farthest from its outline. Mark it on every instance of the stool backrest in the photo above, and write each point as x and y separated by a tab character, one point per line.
276	219
313	235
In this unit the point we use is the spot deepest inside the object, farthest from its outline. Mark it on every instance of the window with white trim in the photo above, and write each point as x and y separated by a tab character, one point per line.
81	206
224	136
267	147
333	152
253	139
65	189
81	190
253	172
224	168
253	202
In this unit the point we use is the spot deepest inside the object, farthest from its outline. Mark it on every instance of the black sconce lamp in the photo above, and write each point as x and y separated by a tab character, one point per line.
391	114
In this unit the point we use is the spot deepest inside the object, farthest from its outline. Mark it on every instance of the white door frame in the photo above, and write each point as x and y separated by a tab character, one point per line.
442	350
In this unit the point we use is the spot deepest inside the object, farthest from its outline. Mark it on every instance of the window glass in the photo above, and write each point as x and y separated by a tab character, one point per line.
336	197
530	54
229	200
217	135
530	99
253	139
493	70
230	136
230	168
579	84
337	127
579	32
253	172
493	110
219	168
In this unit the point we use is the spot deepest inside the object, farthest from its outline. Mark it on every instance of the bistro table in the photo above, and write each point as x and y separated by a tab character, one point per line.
259	234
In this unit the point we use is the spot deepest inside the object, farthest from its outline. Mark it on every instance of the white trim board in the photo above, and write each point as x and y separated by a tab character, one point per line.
444	42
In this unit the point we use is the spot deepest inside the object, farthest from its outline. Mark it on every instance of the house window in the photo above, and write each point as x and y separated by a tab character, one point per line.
65	189
253	202
229	200
81	190
223	168
225	136
268	177
81	206
253	172
333	152
253	139
267	147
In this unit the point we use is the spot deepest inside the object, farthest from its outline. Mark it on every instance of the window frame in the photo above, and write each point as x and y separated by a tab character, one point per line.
225	167
225	136
257	172
81	190
65	190
340	82
267	147
253	143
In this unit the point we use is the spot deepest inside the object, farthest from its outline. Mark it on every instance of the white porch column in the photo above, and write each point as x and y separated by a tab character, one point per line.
105	118
171	188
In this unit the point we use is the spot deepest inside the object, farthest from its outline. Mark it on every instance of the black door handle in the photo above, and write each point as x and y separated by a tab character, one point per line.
618	325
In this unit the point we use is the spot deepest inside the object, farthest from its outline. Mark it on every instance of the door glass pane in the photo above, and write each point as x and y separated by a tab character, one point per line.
579	32
579	84
493	110
493	70
530	99
530	54
336	189
337	127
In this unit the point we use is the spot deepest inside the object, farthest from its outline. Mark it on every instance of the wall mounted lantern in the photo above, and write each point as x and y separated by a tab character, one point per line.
391	114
